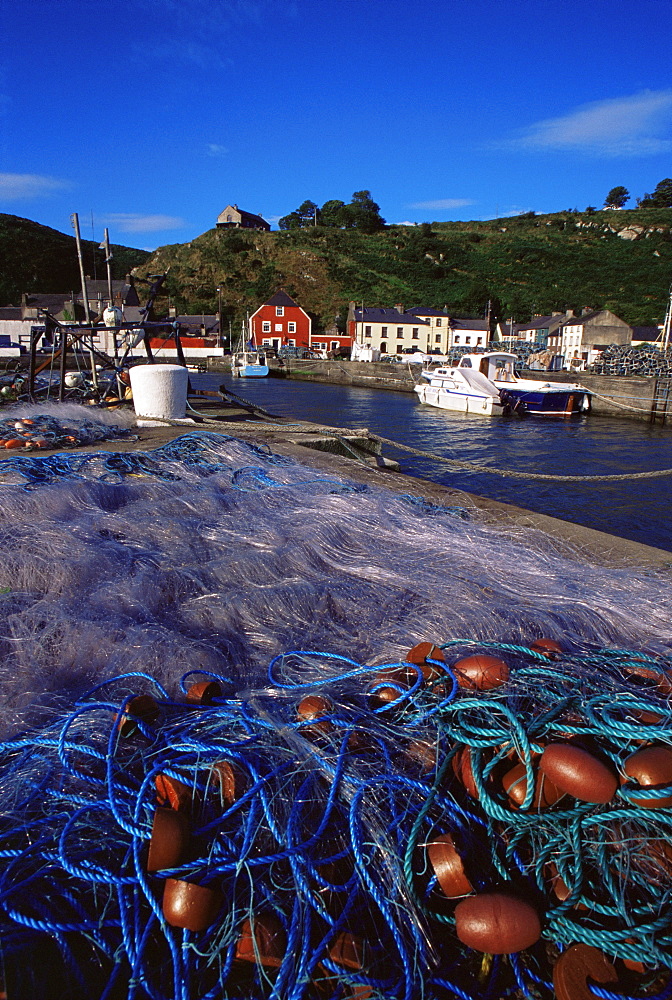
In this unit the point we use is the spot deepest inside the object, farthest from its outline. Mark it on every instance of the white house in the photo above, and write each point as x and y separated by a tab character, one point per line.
581	339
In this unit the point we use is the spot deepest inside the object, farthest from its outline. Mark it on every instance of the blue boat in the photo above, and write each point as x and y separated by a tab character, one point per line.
249	364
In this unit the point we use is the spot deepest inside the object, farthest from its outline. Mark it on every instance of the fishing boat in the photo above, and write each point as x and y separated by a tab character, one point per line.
247	362
488	384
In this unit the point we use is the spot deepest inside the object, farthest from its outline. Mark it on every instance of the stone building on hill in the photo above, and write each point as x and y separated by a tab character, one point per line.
235	218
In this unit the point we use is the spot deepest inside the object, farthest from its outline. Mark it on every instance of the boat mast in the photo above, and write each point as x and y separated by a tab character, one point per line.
667	324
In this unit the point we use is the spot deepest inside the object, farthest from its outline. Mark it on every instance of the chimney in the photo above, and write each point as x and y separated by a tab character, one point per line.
586	310
569	313
399	307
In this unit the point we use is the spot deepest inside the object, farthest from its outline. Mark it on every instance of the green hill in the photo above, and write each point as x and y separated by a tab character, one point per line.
526	265
35	258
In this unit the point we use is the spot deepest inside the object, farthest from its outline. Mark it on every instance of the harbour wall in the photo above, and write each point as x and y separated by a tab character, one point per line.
643	398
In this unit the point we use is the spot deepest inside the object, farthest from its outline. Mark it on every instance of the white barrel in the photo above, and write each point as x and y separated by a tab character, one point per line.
159	391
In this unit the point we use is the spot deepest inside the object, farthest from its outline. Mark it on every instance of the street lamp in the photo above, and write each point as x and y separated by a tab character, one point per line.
219	315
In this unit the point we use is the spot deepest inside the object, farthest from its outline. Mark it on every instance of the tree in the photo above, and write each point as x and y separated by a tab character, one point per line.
332	214
363	213
305	215
661	197
308	213
617	197
291	221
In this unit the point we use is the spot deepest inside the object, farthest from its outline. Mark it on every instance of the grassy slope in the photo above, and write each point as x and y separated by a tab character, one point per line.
35	258
523	265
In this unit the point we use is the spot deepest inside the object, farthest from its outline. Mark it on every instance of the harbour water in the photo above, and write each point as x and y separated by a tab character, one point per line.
631	508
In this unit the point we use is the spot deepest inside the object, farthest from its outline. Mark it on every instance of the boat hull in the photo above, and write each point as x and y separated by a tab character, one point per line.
459	402
549	403
252	371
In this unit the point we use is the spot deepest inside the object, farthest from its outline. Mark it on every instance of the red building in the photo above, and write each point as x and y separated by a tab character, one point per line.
280	322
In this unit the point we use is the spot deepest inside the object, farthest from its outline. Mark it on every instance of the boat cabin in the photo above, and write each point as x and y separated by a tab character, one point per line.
495	365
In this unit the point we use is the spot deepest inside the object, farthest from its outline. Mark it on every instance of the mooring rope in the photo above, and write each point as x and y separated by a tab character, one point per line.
625	406
513	474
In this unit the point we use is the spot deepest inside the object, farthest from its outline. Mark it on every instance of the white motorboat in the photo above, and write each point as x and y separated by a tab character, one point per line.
487	384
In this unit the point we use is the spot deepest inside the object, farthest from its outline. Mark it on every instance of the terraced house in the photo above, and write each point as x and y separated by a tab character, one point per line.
389	331
432	331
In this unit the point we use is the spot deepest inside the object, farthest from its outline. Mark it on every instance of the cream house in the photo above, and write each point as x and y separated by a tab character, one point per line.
389	331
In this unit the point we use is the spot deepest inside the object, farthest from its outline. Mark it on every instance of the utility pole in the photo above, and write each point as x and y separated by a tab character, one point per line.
85	295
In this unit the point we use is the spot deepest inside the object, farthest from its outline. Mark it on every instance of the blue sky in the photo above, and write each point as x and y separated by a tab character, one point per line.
153	115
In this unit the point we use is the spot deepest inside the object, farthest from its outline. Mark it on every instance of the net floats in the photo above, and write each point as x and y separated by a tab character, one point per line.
579	773
475	824
498	923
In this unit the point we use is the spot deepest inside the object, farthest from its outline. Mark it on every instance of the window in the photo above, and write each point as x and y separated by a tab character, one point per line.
292	343
367	331
400	333
467	340
383	331
291	328
278	327
266	343
383	347
279	310
479	340
266	326
335	345
457	338
437	338
438	322
416	334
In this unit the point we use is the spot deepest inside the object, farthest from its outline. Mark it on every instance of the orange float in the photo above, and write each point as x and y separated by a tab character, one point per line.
481	672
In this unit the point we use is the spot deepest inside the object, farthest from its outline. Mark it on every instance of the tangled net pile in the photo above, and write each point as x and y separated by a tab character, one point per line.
212	819
30	428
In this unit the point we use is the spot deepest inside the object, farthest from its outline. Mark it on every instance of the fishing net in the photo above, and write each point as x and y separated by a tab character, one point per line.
228	769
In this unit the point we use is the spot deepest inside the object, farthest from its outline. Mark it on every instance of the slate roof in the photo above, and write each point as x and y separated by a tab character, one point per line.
191	325
391	316
469	324
425	311
10	312
509	331
281	299
540	323
648	333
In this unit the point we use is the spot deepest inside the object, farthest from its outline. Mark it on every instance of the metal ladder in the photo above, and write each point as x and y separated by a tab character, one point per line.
661	399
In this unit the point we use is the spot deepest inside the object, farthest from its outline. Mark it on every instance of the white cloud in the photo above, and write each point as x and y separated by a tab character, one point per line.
440	203
128	222
16	186
403	223
214	149
638	125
